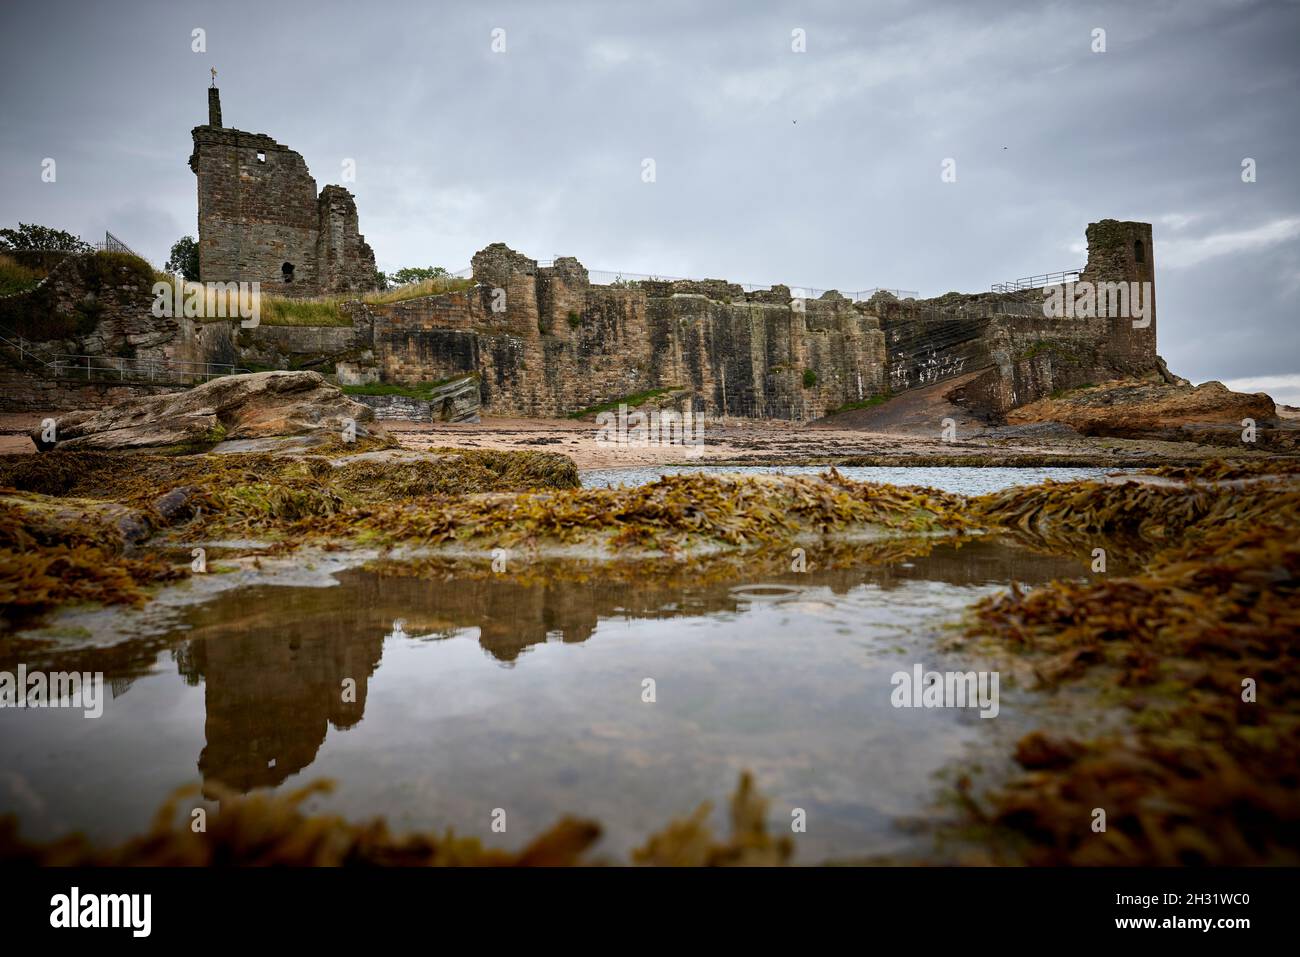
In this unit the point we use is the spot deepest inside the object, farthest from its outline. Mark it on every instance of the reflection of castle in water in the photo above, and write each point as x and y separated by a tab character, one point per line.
274	683
274	660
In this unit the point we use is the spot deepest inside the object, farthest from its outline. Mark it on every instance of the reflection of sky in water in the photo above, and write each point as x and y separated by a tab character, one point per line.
963	481
481	693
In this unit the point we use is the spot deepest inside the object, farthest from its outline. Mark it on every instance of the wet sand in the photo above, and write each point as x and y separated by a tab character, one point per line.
742	441
762	442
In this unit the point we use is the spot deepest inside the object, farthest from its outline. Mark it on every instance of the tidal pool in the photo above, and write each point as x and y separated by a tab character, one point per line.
957	479
526	692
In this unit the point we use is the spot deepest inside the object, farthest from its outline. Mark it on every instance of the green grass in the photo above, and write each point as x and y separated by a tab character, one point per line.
415	290
874	401
327	311
1061	393
303	312
15	277
631	401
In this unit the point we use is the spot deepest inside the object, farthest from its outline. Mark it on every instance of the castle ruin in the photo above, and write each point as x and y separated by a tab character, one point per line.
261	220
523	338
544	340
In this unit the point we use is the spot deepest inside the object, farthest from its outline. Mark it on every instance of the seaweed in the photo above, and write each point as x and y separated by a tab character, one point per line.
1199	646
270	829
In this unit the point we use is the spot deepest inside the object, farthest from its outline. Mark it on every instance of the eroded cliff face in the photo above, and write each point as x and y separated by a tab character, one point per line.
548	342
543	340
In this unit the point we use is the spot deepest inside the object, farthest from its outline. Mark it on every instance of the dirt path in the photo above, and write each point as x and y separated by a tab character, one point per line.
918	412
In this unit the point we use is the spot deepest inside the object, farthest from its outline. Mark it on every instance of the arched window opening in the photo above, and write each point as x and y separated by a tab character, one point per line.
1139	254
287	272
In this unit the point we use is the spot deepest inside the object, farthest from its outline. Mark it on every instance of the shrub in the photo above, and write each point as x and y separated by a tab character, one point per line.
31	236
15	277
184	258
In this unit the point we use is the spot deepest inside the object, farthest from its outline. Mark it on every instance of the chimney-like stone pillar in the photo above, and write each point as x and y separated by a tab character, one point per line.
214	106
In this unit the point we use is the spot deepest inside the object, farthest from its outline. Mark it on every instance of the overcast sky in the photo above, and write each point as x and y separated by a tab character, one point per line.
817	169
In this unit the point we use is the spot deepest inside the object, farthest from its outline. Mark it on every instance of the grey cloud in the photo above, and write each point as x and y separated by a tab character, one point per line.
817	169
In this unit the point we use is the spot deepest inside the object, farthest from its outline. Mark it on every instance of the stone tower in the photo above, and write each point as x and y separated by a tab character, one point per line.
261	220
1122	252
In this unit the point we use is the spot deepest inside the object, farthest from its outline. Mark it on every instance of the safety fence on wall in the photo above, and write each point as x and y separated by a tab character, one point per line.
109	244
976	309
113	368
622	277
908	304
1038	282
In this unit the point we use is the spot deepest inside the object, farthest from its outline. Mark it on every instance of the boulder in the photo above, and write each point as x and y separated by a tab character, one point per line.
455	401
1150	409
258	405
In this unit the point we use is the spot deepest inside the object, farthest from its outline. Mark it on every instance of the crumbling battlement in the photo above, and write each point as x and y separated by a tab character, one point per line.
261	220
546	341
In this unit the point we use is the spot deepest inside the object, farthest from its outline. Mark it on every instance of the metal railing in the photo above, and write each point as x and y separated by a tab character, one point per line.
114	245
618	277
162	371
159	371
611	277
948	312
1038	282
110	244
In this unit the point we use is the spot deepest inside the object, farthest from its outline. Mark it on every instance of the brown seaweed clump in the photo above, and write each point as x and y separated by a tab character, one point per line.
140	505
52	555
690	842
267	829
1220	469
76	526
356	477
1200	646
667	515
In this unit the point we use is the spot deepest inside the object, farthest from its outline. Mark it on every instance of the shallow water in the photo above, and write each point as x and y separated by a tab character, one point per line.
961	480
525	693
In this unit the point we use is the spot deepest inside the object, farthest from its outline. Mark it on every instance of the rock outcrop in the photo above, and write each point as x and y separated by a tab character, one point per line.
454	401
1154	409
258	405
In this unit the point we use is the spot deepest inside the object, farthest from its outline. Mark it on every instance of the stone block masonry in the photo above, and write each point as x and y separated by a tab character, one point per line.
547	342
561	344
261	220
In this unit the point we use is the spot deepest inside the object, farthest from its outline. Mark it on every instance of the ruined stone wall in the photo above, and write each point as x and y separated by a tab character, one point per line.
25	391
95	303
1123	252
343	259
299	347
547	343
1035	356
259	213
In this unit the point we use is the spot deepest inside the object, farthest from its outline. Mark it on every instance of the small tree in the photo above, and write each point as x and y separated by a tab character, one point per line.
412	274
184	258
45	238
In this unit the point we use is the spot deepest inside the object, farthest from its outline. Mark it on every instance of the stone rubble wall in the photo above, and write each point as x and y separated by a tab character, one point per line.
259	209
453	402
544	341
23	391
